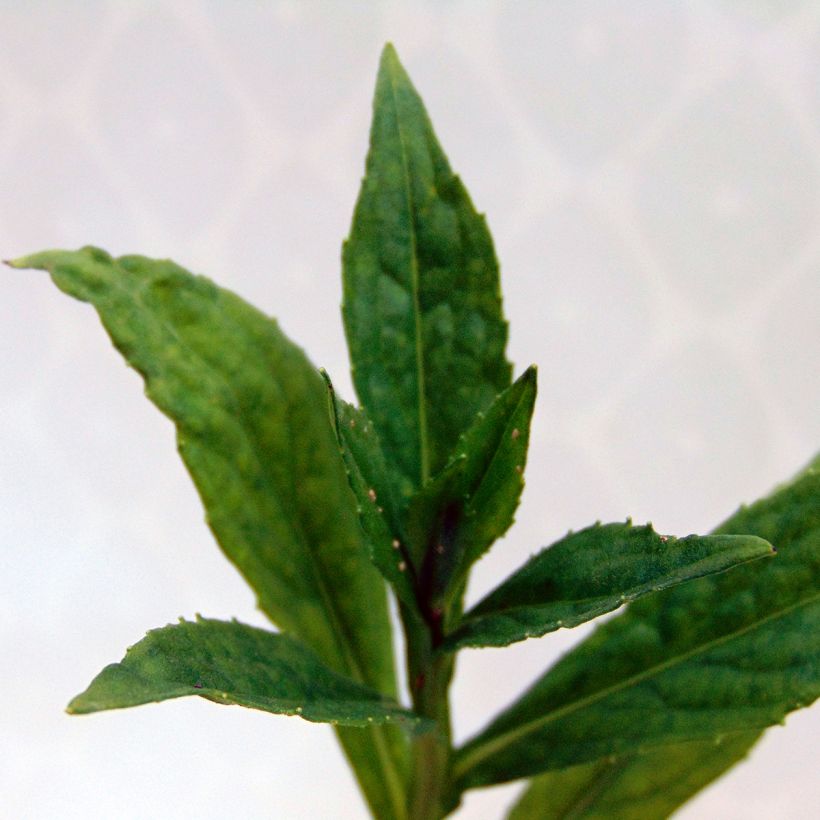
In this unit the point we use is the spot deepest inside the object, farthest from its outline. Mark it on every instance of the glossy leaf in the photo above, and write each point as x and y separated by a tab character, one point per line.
592	572
373	484
458	515
422	304
253	430
635	787
724	655
231	663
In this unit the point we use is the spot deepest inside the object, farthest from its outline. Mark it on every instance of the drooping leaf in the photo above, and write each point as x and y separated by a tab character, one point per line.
635	787
422	304
253	430
456	517
373	484
592	572
231	663
724	655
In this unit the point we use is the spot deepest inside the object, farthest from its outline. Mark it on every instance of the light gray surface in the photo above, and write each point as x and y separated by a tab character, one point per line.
650	172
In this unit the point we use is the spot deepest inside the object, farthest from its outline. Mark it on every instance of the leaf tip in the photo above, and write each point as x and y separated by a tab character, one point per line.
389	63
389	53
77	706
17	264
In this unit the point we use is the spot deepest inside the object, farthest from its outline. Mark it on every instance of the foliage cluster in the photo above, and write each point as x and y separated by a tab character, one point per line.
324	506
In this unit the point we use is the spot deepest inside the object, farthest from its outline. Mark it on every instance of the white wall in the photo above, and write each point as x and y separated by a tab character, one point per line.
650	171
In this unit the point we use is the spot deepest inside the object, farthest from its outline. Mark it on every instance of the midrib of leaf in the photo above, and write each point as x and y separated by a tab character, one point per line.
491	747
424	454
392	776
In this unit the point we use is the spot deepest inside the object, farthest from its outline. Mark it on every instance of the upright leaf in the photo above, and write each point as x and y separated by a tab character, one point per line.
373	483
635	787
253	430
231	663
456	516
592	572
725	655
422	305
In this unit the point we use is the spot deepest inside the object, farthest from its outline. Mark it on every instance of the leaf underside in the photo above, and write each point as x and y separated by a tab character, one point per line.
422	302
591	572
717	657
635	787
231	663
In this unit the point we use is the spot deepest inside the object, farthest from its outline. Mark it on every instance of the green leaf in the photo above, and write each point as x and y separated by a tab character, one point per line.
592	572
372	482
253	430
650	785
636	787
422	304
232	663
724	655
456	517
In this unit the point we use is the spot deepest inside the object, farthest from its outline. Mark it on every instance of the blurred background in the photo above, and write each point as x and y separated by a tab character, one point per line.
651	173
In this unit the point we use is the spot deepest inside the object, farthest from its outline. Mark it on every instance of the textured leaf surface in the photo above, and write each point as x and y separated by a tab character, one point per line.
732	653
592	572
636	787
374	485
232	663
650	785
422	305
254	432
457	516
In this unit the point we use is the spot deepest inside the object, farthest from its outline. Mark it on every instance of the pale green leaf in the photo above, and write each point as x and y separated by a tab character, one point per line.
231	663
592	572
422	304
724	655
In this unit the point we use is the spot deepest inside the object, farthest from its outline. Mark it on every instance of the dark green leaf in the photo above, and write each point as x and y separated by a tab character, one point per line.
636	787
253	430
373	484
232	663
724	655
422	305
592	572
457	516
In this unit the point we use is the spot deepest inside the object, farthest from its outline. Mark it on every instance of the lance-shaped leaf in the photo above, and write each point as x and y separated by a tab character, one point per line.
422	304
724	655
648	786
658	781
253	430
231	663
458	515
373	484
592	572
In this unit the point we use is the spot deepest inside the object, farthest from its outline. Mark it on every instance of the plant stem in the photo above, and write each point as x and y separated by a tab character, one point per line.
429	679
